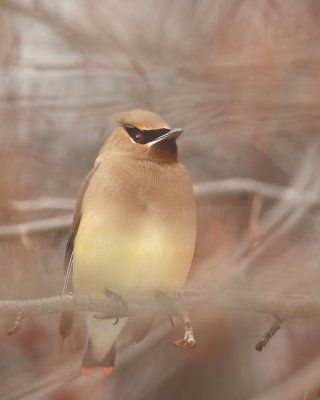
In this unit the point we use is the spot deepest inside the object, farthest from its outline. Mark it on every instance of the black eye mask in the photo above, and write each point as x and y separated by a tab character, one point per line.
145	136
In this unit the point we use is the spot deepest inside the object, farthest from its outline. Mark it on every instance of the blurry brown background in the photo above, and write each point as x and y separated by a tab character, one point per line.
242	77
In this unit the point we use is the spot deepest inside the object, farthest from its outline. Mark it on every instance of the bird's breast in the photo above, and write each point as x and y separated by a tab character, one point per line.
136	238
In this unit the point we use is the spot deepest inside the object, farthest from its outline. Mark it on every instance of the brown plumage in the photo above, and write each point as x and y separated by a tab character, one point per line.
134	226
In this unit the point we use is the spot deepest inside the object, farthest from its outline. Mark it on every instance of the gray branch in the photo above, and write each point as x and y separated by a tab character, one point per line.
38	226
247	185
280	305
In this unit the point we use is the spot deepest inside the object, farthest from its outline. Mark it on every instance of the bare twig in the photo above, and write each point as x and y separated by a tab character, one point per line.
284	305
268	303
248	185
256	207
64	303
188	340
45	203
39	226
276	324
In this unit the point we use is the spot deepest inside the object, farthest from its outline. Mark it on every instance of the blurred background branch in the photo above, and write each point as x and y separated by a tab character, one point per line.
242	79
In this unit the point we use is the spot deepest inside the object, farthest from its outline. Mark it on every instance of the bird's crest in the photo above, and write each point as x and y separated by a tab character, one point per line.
141	119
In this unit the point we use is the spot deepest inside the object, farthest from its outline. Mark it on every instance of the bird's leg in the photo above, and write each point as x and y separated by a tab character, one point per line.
118	304
167	304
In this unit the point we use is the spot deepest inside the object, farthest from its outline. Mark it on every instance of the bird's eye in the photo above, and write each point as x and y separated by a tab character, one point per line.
138	137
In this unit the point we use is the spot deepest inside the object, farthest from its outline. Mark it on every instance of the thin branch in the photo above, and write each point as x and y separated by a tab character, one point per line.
276	325
269	190
188	340
255	212
45	203
64	303
284	306
39	226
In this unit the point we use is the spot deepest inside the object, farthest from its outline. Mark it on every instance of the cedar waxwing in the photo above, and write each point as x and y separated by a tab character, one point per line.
134	227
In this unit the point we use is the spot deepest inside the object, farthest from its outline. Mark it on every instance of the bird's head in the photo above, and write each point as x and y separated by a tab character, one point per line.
144	134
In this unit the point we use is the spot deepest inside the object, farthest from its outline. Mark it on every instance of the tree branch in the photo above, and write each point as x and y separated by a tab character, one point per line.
248	185
188	340
44	203
60	223
284	306
279	305
65	303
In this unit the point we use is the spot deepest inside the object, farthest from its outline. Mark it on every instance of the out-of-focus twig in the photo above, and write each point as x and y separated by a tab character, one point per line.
44	203
251	185
256	207
276	324
42	225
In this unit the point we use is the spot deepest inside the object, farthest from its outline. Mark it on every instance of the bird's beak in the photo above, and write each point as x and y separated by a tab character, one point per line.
171	135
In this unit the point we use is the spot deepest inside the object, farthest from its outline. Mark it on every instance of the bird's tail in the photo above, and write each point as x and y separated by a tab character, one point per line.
100	351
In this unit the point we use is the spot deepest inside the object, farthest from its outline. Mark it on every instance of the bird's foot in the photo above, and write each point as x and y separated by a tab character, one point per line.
119	303
166	303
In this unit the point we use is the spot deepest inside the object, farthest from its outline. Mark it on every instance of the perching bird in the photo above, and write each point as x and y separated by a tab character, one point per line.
134	226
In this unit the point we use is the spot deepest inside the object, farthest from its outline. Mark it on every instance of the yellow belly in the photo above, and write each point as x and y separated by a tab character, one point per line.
133	260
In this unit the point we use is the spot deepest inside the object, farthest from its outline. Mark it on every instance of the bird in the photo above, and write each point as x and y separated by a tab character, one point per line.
134	227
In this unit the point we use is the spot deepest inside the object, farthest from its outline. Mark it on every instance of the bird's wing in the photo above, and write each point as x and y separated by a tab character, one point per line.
66	321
